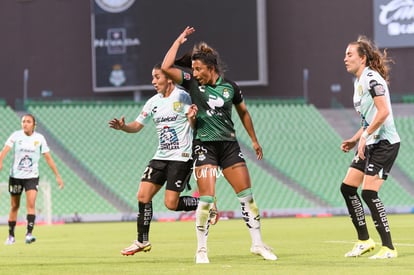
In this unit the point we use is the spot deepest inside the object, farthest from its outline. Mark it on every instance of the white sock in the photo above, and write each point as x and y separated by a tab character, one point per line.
251	216
202	225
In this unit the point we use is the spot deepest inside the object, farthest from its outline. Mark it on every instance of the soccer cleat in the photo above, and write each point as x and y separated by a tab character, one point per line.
264	251
201	256
136	247
360	248
385	253
30	239
214	214
10	240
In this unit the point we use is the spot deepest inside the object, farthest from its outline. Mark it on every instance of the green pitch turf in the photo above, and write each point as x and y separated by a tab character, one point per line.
303	245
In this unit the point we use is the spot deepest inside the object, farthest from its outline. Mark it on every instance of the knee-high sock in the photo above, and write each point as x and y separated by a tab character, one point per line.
30	223
202	220
379	216
356	210
12	226
144	218
187	203
251	215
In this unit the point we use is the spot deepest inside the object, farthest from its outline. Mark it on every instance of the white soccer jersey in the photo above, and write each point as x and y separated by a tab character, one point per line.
175	134
27	151
369	85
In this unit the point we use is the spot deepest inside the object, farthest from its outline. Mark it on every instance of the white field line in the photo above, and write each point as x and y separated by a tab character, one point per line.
352	242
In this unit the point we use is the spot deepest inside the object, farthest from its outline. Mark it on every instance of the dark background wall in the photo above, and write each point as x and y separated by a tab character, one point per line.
52	38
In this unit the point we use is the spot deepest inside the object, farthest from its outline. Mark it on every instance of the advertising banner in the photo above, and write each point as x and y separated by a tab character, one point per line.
130	36
394	23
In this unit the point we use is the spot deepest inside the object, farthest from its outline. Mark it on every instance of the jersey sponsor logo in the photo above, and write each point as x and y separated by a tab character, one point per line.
169	139
25	163
166	119
215	101
187	76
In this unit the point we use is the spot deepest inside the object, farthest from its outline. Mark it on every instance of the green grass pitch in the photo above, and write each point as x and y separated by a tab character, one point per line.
303	245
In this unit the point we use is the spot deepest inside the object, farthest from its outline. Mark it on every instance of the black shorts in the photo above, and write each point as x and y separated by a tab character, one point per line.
220	153
16	186
175	173
379	158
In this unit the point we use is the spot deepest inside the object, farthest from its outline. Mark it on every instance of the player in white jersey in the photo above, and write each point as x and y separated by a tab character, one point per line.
174	116
378	145
27	146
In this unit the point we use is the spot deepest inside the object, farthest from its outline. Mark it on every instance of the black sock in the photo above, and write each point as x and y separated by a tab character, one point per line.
12	226
187	203
379	216
30	223
356	210
144	218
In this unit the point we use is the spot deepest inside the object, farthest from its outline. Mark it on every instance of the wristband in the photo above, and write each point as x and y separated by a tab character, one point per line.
365	135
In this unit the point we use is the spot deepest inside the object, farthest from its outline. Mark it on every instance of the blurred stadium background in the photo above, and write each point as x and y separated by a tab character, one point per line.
302	110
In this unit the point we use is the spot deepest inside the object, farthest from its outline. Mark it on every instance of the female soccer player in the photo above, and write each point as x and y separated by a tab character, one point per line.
215	145
27	146
378	145
174	116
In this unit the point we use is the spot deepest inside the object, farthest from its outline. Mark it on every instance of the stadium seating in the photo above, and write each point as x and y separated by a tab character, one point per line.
298	144
405	127
77	196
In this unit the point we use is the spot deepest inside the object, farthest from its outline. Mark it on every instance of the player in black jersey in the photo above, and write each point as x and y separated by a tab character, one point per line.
215	145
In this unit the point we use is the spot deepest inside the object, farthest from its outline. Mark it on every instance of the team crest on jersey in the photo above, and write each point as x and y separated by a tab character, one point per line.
360	91
226	93
36	143
177	106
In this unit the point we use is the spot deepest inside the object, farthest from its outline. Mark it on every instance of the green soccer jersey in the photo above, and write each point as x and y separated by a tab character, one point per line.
214	104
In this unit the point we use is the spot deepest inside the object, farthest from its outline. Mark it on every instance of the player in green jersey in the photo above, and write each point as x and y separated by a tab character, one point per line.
215	146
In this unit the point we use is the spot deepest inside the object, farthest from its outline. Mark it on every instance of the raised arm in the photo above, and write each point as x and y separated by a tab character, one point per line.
167	65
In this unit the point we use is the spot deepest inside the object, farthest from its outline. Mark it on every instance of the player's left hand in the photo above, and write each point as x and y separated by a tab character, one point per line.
258	149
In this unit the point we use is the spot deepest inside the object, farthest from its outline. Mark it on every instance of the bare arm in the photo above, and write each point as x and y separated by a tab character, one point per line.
3	154
348	144
119	124
248	125
167	65
52	166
